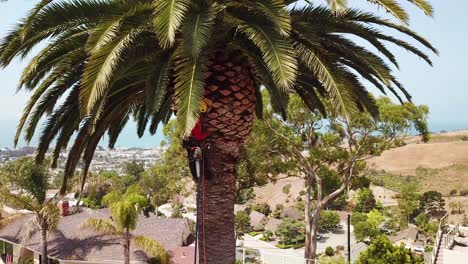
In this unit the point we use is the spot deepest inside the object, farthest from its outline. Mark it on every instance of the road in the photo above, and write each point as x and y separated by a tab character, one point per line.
273	255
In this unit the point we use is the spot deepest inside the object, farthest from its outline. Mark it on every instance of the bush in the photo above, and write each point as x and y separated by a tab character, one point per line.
464	138
291	231
263	208
278	210
428	249
287	188
453	192
464	192
299	205
259	227
302	193
379	182
329	251
329	219
267	235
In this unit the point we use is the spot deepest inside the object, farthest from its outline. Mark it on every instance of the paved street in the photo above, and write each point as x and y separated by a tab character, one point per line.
273	255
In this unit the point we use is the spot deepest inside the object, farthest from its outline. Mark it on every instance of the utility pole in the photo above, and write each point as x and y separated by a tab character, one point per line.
349	238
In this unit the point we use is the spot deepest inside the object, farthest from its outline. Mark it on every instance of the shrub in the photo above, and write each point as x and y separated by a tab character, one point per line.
428	249
263	208
278	210
329	219
379	182
464	138
302	193
267	235
287	188
464	192
291	231
299	205
329	251
453	192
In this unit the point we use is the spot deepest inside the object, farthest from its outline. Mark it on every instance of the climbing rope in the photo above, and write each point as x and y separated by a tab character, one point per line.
200	169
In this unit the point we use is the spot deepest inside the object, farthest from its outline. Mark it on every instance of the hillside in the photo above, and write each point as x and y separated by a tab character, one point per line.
440	165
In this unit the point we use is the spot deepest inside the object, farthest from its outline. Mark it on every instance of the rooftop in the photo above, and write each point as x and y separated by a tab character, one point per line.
70	242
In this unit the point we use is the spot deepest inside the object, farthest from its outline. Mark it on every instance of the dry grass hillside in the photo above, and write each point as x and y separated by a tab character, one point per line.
440	165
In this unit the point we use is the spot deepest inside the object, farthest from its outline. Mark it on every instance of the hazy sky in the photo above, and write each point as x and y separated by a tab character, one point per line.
441	87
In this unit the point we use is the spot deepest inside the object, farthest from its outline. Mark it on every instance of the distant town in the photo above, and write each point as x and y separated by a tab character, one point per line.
104	158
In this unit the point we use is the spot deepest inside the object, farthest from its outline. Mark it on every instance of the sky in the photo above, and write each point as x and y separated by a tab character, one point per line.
441	87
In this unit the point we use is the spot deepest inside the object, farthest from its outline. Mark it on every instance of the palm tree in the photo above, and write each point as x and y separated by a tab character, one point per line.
32	183
125	209
118	59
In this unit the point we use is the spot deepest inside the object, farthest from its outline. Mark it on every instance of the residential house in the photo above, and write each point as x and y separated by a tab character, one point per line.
412	238
72	244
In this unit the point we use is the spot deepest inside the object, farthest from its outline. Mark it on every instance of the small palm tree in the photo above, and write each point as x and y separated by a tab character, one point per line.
125	209
31	180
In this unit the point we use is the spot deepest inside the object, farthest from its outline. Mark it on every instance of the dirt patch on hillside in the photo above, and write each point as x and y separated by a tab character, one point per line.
273	194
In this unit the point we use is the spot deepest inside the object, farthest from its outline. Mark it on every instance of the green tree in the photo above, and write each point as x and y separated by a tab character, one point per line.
241	223
421	220
408	202
337	149
125	209
432	203
366	227
382	251
133	168
365	200
106	62
291	232
31	181
328	220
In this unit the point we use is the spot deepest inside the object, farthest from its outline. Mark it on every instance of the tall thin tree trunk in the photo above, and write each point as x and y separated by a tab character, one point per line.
308	220
44	259
217	240
127	246
312	250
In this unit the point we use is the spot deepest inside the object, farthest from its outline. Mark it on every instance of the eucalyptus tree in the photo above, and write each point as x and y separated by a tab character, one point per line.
114	60
31	182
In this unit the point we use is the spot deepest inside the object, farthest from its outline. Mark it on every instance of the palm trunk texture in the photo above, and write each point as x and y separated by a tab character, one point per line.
127	247
44	259
230	89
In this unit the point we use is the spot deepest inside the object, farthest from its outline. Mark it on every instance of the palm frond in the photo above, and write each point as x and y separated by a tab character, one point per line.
168	16
198	27
189	88
276	52
101	226
152	248
29	229
392	7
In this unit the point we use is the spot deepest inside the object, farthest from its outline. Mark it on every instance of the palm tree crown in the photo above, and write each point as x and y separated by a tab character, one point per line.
116	59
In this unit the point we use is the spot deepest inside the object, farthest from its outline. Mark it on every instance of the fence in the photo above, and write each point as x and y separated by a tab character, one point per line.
254	256
438	240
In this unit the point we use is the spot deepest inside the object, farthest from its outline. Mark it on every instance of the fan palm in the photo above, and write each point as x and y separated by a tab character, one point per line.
125	209
32	183
114	60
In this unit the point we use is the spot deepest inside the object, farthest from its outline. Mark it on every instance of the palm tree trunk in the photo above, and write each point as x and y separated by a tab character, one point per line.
127	246
44	259
217	242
